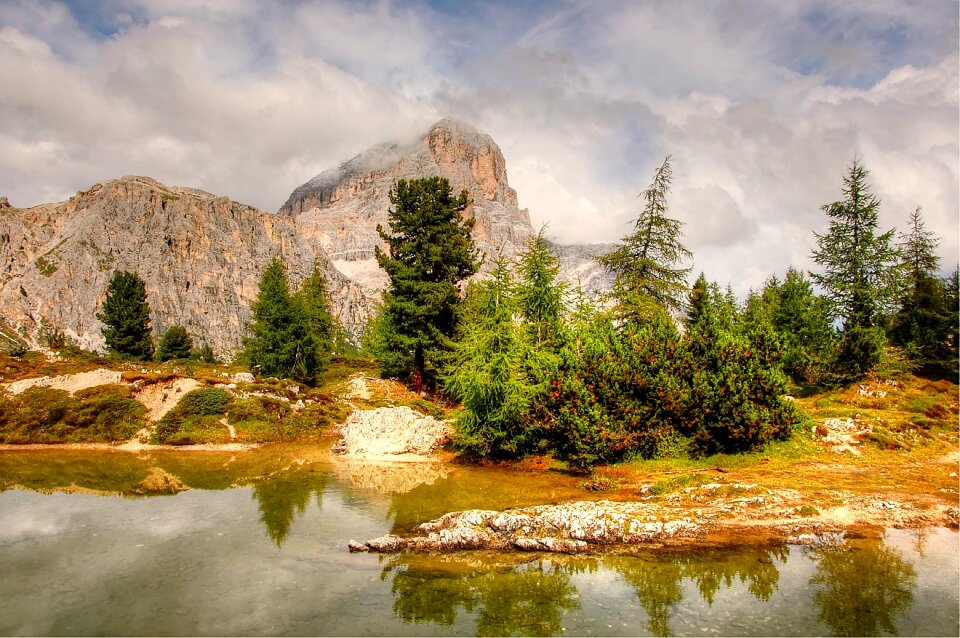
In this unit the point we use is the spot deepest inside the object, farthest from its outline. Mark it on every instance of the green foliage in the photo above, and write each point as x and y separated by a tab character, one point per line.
429	252
617	393
204	354
801	321
126	313
281	344
324	329
103	414
174	344
923	323
486	373
736	384
645	264
858	274
197	411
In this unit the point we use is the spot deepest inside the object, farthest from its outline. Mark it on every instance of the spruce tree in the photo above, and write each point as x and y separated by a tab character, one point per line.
280	344
802	321
174	344
313	298
858	275
126	313
920	325
647	262
429	252
540	296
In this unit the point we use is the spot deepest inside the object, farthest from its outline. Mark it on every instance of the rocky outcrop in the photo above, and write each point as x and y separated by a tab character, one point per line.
200	255
386	432
574	527
578	267
341	208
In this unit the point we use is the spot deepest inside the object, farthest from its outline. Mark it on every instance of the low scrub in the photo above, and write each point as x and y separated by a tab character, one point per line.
268	419
103	414
195	419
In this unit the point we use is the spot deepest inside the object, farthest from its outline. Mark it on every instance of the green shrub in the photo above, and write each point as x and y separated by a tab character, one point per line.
103	414
174	344
196	412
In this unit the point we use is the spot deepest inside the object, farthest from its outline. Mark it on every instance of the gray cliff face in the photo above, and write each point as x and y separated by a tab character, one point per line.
579	268
341	208
200	255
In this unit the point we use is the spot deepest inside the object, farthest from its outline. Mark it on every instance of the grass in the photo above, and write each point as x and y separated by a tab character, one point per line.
104	414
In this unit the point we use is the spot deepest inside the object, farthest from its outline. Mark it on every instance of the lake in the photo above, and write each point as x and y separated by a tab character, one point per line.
100	542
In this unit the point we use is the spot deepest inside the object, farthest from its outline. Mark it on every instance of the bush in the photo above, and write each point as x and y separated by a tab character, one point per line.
736	384
193	419
204	355
104	414
617	395
174	344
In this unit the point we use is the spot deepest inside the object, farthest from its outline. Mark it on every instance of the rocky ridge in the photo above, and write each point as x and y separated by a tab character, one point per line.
200	255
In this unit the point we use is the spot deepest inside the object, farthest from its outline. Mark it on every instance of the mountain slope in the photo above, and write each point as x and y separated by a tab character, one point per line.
200	255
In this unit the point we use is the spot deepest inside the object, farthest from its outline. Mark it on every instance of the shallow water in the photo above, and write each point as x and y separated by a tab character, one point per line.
258	546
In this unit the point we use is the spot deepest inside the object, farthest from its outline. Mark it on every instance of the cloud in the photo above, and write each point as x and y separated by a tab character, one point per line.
762	105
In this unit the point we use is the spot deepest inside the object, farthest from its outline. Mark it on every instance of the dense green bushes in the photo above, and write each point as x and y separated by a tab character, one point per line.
195	418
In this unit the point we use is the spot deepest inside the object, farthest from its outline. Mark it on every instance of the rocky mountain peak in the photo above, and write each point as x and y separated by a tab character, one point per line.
340	208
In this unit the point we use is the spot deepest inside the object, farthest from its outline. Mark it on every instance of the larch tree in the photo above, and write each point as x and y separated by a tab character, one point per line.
487	372
647	264
126	313
429	251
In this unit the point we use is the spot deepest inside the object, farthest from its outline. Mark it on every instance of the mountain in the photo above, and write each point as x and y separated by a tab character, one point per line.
201	257
341	208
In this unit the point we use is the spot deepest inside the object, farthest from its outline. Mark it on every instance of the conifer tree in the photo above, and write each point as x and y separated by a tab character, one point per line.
697	301
126	313
429	252
313	298
920	325
540	296
487	372
802	321
647	262
280	344
857	271
174	344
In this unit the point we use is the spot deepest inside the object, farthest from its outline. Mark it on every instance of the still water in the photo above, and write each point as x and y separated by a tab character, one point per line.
95	543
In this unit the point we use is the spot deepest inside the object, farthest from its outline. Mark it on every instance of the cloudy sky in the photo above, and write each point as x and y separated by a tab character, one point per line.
761	103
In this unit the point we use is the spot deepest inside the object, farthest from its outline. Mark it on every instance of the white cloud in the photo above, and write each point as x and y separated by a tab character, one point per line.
762	105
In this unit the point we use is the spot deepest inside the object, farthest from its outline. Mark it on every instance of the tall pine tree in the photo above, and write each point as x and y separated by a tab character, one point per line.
126	313
647	264
429	252
280	344
858	275
920	325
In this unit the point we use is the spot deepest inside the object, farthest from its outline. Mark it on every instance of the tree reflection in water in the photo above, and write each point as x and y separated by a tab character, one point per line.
511	594
282	499
657	579
864	586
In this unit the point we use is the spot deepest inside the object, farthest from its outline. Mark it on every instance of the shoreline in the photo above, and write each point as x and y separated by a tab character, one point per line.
726	512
